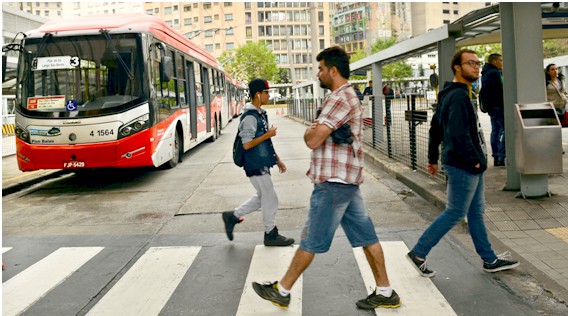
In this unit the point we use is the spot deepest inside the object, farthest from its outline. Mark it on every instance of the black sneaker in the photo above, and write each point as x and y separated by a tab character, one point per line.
503	262
230	221
275	239
270	292
420	265
375	300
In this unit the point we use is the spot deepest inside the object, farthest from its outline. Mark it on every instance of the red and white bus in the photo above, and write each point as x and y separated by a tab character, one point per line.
117	91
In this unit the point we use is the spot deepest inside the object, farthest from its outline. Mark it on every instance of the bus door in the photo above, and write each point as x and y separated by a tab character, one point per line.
207	95
192	88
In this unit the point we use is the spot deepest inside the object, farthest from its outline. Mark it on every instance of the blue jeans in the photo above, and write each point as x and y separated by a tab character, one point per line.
332	204
465	197
497	133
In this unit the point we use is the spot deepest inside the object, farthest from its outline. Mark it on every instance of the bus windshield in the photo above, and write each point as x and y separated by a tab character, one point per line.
80	76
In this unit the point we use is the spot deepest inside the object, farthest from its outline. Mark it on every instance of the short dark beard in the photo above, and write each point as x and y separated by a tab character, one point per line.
322	85
469	78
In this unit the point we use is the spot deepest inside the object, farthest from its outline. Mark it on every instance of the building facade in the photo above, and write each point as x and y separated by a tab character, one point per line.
355	26
430	15
73	9
49	10
286	27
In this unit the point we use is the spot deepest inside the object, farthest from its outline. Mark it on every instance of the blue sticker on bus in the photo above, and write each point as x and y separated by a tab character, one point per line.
71	105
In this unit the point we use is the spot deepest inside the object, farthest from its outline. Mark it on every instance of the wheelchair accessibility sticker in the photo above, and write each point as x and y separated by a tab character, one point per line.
71	105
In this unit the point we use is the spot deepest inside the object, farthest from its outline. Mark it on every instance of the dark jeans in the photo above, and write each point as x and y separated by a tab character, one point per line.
466	197
497	132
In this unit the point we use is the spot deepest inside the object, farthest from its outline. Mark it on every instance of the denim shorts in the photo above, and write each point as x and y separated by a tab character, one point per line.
332	204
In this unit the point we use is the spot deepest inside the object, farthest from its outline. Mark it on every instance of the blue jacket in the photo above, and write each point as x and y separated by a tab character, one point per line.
455	125
263	154
492	86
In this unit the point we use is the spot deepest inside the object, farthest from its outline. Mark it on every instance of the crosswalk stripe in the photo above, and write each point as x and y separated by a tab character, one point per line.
269	264
149	283
5	249
419	295
24	289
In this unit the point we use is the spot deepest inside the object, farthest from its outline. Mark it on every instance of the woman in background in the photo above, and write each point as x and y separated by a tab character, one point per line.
556	91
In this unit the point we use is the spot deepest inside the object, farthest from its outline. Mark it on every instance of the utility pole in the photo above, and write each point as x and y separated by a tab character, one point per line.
318	91
315	41
290	61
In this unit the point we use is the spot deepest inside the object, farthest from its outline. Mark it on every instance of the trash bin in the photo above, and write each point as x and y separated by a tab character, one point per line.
538	139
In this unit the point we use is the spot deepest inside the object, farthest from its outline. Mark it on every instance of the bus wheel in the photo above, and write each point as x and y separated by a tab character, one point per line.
175	154
219	128
213	137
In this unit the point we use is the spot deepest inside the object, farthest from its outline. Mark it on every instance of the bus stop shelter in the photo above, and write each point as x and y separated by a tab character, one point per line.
520	28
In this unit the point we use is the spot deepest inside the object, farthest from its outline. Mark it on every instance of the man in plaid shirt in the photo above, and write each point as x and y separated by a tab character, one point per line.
336	169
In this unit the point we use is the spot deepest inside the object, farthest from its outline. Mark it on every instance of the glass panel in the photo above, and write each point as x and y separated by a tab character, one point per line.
87	73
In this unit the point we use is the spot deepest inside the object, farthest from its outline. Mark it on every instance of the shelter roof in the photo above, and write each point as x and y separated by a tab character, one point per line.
482	26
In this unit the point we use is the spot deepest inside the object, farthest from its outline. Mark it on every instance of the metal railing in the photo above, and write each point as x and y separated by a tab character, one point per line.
398	129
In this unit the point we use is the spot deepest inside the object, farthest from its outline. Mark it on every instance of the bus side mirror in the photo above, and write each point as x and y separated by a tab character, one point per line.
166	69
4	61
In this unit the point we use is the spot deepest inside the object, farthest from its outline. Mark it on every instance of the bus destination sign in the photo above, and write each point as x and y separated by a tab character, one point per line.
55	62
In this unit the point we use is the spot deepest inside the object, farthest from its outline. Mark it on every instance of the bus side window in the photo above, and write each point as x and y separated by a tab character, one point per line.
173	84
181	77
213	88
198	85
160	88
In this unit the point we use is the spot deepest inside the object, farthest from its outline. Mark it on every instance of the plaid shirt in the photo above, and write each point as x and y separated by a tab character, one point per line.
338	162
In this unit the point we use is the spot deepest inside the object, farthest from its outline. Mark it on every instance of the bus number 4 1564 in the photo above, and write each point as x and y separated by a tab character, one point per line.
102	132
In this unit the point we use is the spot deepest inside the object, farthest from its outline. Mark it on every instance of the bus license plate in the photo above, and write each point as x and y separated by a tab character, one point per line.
73	164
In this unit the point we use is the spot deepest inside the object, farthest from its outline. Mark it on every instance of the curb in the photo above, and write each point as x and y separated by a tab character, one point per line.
13	188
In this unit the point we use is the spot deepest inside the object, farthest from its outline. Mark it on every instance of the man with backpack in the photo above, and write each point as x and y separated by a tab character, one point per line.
491	99
258	157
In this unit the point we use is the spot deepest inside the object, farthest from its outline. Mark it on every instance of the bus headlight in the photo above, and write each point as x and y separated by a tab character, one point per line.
126	131
134	126
22	134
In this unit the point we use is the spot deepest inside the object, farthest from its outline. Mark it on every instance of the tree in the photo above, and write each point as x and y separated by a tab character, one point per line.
252	60
283	76
382	44
551	48
397	70
483	51
355	57
555	47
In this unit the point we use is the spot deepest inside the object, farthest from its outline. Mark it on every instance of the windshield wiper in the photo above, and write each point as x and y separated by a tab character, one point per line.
117	54
42	44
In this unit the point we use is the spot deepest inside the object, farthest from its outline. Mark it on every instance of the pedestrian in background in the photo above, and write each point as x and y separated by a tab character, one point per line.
464	159
369	90
259	157
358	92
491	95
337	172
555	90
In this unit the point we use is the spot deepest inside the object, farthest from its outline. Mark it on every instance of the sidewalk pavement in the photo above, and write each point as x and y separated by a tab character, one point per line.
535	230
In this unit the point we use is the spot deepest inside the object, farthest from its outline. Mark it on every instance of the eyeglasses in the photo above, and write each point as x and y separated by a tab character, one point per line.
473	63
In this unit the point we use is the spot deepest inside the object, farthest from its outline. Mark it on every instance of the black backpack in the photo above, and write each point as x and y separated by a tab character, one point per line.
238	149
483	104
